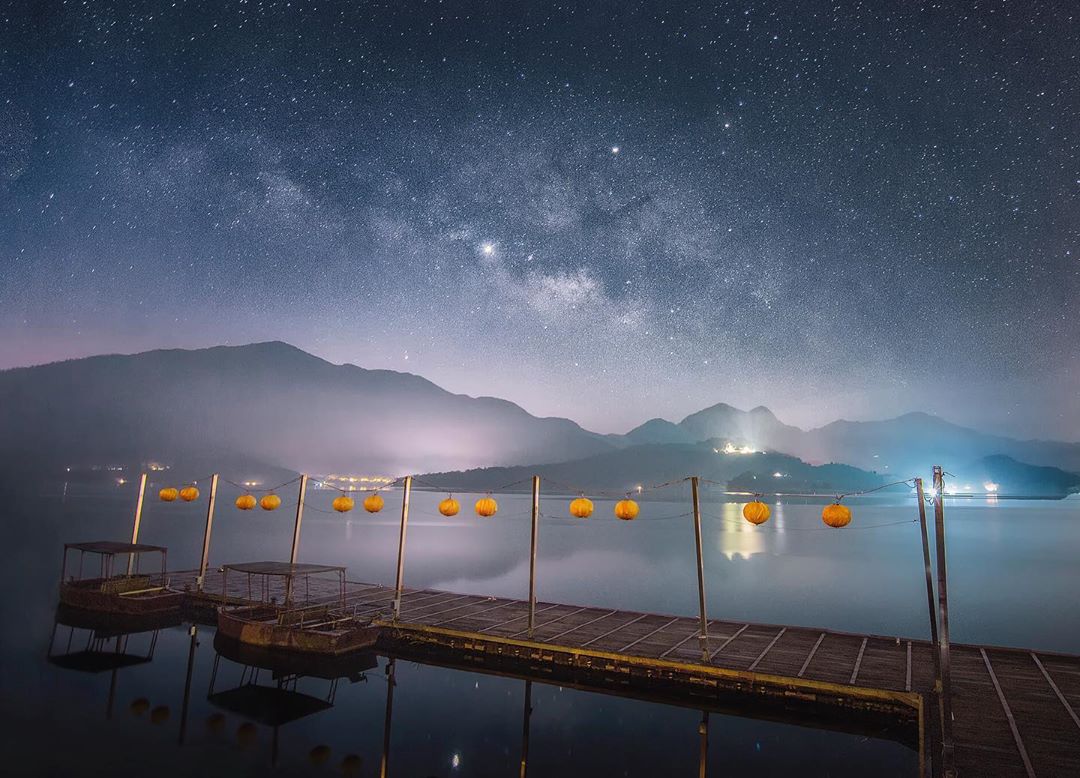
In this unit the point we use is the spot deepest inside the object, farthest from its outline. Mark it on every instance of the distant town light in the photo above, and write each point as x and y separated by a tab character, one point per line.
990	486
777	475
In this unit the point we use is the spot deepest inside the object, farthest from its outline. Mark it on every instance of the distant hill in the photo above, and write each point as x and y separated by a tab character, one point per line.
266	403
905	446
1009	477
623	470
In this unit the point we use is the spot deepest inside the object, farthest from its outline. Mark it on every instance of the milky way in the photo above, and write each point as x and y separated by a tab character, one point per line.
607	211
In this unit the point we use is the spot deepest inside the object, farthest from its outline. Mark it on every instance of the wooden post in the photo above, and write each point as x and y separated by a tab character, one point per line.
138	520
703	636
205	558
532	552
400	582
299	518
929	575
947	761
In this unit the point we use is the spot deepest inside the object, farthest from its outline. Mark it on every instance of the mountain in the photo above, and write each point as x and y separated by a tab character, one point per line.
905	446
1006	476
266	403
651	463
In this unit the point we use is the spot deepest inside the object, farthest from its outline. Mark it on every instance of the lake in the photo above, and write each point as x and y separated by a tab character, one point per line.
1011	563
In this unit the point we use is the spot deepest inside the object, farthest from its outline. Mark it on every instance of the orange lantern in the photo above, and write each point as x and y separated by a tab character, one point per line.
373	503
343	504
449	507
581	508
270	502
189	493
245	502
836	515
756	512
486	506
627	509
169	494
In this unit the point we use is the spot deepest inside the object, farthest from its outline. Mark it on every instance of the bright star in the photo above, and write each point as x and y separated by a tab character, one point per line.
614	149
488	249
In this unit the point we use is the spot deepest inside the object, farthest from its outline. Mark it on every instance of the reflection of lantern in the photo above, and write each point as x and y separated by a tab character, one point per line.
756	512
140	706
215	722
627	510
351	764
581	508
169	494
373	503
319	754
343	504
245	502
270	502
486	506
189	494
449	507
246	734
159	715
836	515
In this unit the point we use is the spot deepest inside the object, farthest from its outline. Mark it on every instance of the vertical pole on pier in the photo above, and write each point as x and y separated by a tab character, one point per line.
525	727
947	762
703	636
138	520
299	518
929	576
400	582
204	560
532	552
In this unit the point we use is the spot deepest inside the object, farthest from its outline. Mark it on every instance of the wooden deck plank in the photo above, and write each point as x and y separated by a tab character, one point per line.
1008	715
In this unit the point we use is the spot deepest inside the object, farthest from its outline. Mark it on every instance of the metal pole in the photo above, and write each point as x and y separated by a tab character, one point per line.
400	583
703	636
205	559
138	520
532	552
929	575
524	771
947	762
299	518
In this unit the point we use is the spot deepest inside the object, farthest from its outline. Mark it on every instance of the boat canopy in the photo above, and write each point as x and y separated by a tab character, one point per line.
113	547
283	568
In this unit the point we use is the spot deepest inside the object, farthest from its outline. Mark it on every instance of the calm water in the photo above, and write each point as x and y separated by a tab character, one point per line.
1011	564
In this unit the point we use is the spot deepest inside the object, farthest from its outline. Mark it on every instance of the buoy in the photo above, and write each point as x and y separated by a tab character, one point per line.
581	508
270	502
449	507
627	509
756	512
836	515
169	494
343	504
189	494
245	502
373	503
486	506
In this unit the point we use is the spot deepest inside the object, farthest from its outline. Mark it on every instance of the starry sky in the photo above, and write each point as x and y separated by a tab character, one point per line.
608	211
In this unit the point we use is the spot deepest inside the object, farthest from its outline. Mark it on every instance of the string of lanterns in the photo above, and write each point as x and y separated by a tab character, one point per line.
756	512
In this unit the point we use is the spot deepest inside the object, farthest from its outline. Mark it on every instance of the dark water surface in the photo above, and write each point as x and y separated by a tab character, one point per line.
1013	580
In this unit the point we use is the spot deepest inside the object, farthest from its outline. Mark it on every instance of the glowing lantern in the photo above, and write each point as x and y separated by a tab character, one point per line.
343	504
836	515
486	506
373	503
189	494
245	502
169	494
449	507
270	502
627	510
581	508
756	512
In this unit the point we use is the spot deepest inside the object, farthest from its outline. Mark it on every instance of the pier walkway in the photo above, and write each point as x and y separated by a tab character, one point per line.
1014	711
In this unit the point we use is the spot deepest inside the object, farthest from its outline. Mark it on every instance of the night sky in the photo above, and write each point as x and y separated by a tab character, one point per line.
607	211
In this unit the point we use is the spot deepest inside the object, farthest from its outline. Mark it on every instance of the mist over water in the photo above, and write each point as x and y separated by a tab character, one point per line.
866	578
